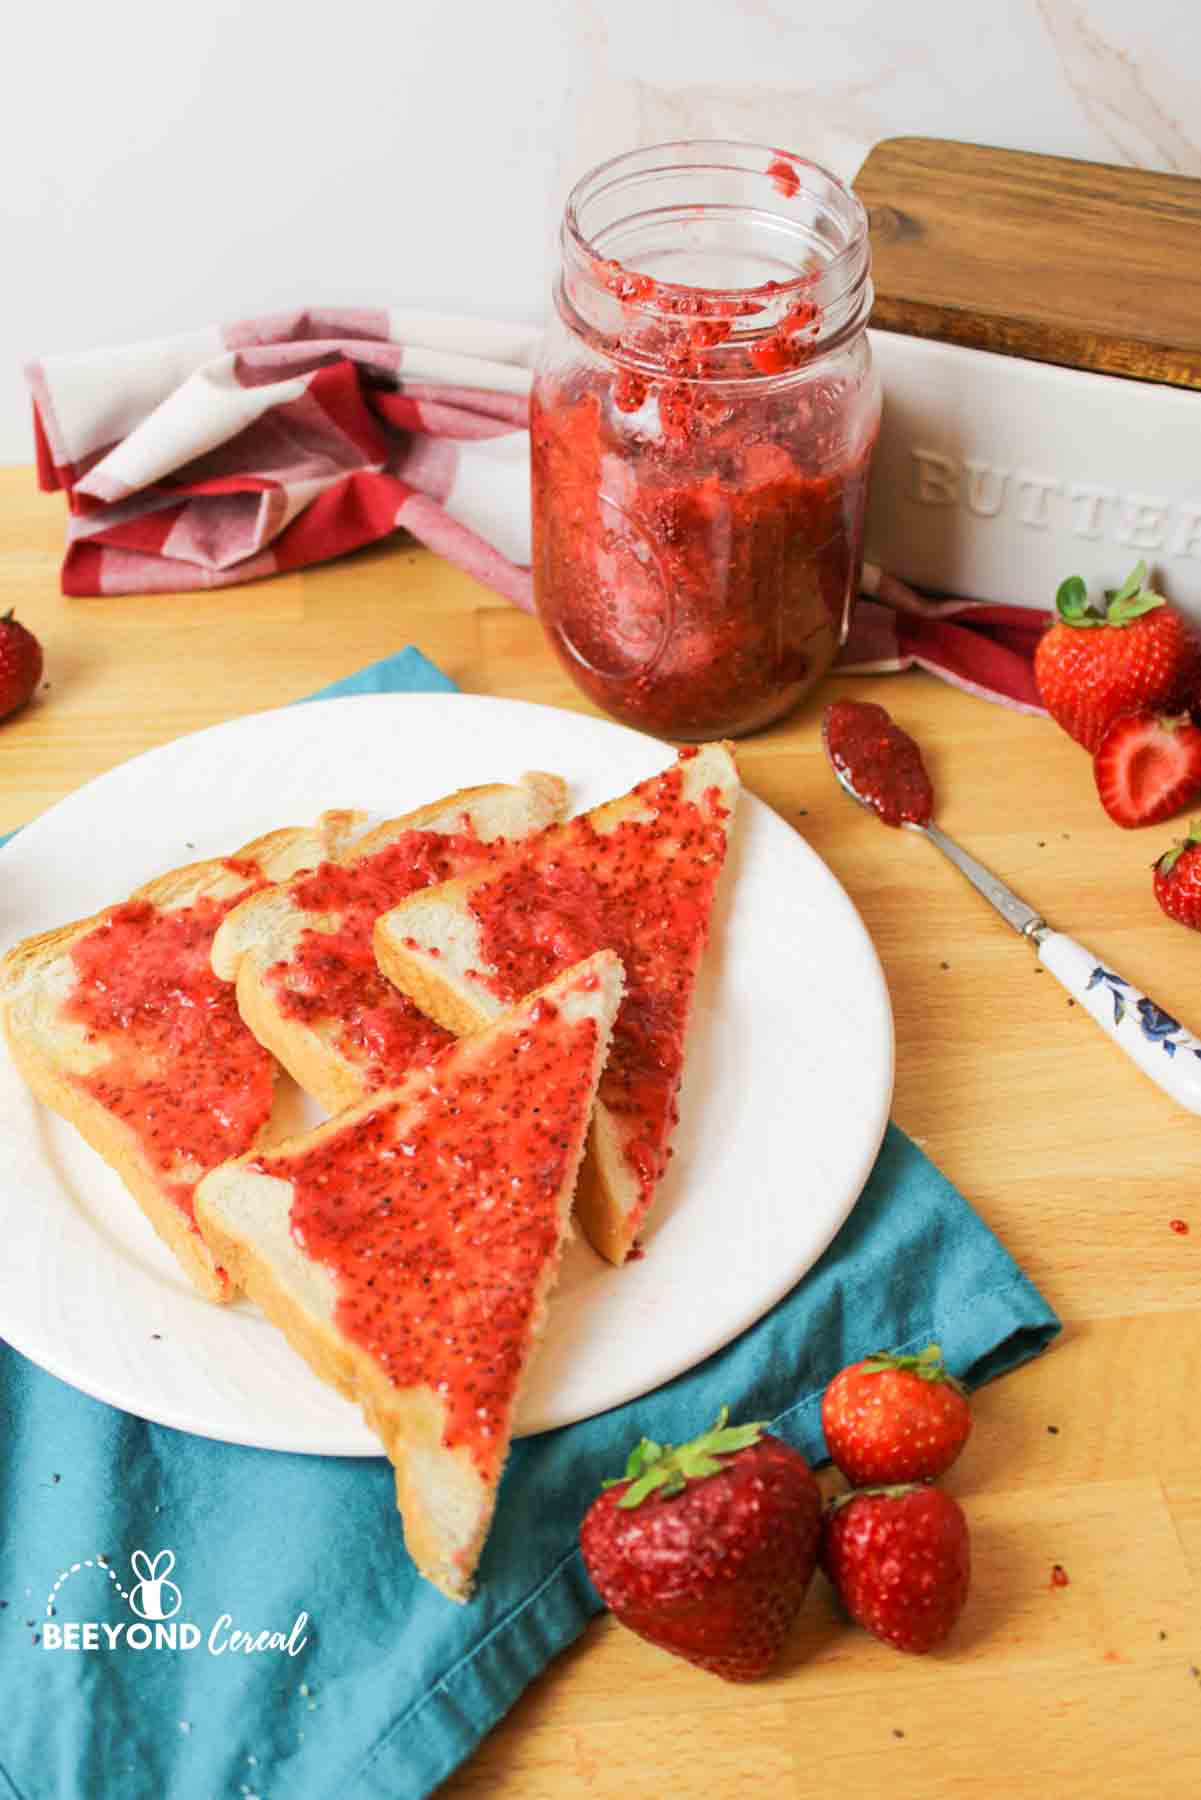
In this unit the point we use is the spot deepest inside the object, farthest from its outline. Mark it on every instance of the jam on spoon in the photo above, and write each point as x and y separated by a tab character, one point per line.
880	766
881	763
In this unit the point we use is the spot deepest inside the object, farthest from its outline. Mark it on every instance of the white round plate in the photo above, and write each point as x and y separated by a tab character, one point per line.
785	1098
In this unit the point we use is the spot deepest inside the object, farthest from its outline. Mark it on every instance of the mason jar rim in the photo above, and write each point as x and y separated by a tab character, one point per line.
631	165
839	280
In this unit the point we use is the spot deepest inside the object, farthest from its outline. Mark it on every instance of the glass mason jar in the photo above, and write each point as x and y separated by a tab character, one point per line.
702	425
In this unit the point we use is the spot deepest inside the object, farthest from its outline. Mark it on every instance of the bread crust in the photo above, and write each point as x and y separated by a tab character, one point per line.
243	948
428	987
47	1067
116	1143
405	1420
314	1064
602	1177
409	1421
606	1192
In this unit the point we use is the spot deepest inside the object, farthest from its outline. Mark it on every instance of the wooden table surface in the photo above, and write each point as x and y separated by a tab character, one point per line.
1074	1159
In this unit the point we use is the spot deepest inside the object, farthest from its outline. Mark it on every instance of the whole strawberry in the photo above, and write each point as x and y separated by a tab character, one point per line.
1095	664
20	664
707	1550
895	1418
1178	879
900	1560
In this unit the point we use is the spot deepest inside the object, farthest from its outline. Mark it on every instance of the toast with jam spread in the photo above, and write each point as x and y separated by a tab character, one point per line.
118	1024
406	1248
638	876
301	957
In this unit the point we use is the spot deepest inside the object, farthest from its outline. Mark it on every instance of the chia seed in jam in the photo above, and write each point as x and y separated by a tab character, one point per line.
882	763
438	1222
185	1074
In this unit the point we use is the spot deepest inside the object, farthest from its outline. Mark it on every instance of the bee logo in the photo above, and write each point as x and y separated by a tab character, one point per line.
152	1595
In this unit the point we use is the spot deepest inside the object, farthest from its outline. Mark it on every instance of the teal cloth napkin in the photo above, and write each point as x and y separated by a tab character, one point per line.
392	1686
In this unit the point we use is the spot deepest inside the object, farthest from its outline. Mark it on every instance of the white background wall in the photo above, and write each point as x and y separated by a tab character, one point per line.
166	165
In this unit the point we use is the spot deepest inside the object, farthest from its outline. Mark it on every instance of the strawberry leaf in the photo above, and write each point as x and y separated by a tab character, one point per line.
733	1437
1132	599
1132	583
1071	603
927	1363
695	1464
654	1478
836	1503
666	1469
1121	612
643	1456
1122	604
1167	862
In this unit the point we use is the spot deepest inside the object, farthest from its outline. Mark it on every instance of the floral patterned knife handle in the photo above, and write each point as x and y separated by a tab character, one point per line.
1152	1038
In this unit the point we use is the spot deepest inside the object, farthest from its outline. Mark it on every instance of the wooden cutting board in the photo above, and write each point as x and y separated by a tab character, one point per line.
1058	261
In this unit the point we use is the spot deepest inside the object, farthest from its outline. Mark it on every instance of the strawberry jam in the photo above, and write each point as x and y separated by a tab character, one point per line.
331	976
702	423
186	1076
882	763
439	1222
644	889
693	586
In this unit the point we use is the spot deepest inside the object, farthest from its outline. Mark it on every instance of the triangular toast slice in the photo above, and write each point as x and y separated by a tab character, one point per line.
118	1023
636	875
406	1248
301	954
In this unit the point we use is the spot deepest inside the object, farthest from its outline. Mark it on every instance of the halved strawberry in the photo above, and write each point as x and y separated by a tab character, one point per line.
1148	767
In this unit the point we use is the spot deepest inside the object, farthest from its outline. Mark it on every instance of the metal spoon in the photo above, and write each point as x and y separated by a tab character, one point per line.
1152	1038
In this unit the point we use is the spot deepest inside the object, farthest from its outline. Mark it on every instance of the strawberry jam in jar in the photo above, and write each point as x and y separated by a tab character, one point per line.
702	425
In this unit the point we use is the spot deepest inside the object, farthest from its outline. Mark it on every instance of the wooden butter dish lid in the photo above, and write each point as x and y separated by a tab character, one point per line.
1042	257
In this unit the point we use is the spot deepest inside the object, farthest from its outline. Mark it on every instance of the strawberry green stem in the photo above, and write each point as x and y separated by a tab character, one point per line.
927	1365
667	1469
1122	605
837	1503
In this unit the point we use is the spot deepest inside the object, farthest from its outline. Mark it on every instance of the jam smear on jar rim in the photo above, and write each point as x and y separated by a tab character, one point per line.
882	762
784	177
438	1221
184	1072
330	977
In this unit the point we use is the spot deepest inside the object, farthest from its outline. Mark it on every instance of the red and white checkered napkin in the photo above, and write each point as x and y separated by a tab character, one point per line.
250	449
247	450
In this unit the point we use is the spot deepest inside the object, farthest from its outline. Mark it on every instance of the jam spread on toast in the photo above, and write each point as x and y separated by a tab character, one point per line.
644	889
438	1223
184	1074
330	977
882	762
